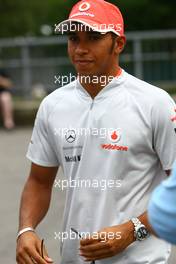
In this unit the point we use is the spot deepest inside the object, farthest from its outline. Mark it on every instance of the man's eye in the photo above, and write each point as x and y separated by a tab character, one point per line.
95	37
72	38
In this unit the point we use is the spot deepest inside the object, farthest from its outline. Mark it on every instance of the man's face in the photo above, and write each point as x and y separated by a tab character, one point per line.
91	52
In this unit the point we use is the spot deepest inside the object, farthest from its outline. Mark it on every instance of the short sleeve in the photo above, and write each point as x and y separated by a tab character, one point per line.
164	130
41	150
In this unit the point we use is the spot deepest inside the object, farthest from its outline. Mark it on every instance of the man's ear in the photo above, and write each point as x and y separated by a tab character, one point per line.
120	44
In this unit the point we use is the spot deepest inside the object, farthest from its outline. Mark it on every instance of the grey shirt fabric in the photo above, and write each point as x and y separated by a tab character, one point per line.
125	138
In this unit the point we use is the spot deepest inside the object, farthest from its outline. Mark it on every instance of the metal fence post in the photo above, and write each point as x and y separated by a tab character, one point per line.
137	53
27	79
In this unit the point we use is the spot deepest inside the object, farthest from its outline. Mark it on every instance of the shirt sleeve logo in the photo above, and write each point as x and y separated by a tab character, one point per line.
173	118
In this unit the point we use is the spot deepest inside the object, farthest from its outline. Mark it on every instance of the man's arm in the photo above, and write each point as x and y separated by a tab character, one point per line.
36	195
35	202
94	249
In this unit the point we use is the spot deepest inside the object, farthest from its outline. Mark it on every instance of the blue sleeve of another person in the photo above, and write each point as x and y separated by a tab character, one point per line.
162	209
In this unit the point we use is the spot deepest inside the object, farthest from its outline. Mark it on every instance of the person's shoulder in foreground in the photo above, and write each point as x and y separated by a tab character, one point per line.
162	209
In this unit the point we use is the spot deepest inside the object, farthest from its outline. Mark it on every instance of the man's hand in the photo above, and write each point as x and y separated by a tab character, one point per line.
110	242
29	250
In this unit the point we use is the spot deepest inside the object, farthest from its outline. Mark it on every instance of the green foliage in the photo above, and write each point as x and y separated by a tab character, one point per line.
148	14
24	18
21	18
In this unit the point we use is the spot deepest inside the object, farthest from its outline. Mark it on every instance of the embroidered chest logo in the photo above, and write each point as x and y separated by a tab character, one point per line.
70	136
114	137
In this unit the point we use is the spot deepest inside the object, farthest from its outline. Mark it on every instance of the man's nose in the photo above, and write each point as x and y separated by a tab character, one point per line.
82	48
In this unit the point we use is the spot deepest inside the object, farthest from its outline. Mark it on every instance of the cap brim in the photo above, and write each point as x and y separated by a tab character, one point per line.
63	27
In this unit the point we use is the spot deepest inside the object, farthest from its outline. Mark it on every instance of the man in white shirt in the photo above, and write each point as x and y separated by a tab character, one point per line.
133	154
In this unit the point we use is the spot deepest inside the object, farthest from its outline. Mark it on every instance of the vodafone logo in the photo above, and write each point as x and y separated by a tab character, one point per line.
115	136
84	6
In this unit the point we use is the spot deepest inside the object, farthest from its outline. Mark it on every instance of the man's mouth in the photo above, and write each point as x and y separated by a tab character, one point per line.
83	62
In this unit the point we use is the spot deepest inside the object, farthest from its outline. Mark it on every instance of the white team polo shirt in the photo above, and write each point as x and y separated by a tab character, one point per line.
124	138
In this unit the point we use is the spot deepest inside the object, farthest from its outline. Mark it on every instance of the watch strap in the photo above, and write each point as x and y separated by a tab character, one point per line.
136	221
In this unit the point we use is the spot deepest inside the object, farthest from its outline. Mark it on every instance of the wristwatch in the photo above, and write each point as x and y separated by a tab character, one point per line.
140	230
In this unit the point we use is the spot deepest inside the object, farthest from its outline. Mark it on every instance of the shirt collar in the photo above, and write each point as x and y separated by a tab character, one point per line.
108	90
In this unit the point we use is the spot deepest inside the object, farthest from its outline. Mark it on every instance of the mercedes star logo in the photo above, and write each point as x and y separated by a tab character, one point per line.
70	136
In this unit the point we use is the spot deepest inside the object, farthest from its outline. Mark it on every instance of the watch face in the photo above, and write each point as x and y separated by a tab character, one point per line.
142	233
